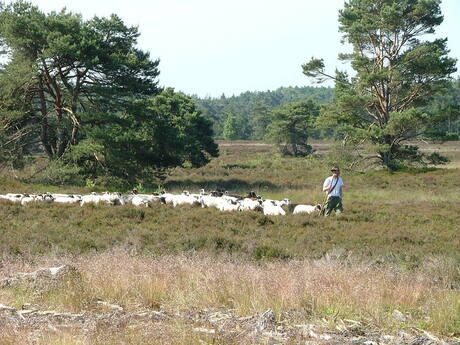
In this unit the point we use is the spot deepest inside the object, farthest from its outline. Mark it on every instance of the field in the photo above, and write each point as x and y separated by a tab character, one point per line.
394	251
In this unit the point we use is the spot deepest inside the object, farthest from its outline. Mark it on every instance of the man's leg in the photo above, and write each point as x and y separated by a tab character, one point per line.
339	207
331	203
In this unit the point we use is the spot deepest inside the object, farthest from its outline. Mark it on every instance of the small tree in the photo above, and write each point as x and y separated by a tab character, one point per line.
232	130
291	126
236	127
396	74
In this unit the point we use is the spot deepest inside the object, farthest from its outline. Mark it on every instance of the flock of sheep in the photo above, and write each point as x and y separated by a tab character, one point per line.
221	200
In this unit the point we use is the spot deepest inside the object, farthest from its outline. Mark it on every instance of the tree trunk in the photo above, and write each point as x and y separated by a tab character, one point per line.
44	135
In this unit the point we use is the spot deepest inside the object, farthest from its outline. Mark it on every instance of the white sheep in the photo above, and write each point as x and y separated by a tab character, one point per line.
273	208
248	204
210	201
28	198
228	205
107	198
309	209
67	199
186	199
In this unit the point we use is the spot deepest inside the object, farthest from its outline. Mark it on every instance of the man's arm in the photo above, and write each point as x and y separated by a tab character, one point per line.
327	185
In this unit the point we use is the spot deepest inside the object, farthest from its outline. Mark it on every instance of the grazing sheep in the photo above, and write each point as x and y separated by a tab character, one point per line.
211	201
186	199
248	204
272	208
229	205
309	209
14	197
147	200
28	198
68	199
106	197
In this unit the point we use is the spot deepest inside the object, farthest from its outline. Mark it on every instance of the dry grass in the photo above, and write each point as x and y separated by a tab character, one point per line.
295	290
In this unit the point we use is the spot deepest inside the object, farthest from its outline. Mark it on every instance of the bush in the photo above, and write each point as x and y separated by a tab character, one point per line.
59	173
266	252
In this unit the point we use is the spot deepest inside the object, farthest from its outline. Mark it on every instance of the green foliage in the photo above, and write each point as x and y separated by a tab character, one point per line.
236	127
266	252
397	75
252	109
152	136
231	131
291	126
81	91
260	120
446	106
436	159
57	172
75	66
17	133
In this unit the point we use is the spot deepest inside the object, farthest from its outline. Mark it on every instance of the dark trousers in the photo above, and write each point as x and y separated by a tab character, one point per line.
333	203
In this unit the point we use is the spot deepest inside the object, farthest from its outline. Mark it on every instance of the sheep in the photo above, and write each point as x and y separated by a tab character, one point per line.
309	209
140	201
248	204
272	208
168	197
106	197
210	201
252	195
67	199
221	200
15	197
147	200
185	199
231	198
48	198
229	205
28	198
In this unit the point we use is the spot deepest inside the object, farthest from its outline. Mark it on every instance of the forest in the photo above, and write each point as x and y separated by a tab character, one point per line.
246	116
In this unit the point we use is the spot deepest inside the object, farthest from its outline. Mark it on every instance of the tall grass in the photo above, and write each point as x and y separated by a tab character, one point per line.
327	288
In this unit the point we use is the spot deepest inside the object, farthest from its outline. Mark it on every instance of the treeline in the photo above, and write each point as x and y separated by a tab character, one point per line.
448	103
247	115
82	94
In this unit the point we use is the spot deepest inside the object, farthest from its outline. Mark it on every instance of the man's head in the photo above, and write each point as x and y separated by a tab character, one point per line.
335	171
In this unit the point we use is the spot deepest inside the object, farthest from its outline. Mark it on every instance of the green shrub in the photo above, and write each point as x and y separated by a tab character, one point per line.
267	252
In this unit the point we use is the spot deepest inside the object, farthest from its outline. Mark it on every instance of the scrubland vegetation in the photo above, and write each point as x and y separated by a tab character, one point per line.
81	110
395	247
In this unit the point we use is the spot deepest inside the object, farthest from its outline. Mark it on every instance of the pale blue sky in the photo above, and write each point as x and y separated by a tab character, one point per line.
210	47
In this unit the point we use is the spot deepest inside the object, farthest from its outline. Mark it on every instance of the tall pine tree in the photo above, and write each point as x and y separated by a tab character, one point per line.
397	71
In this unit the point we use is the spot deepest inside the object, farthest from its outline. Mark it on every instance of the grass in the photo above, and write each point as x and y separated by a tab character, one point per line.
395	247
329	288
391	217
401	231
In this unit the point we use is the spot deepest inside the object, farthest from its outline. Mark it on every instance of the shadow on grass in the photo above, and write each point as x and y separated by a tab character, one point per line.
230	185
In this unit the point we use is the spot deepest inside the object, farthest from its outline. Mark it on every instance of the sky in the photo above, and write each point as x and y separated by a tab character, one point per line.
214	47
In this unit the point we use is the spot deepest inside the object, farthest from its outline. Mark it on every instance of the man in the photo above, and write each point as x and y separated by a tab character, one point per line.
333	187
